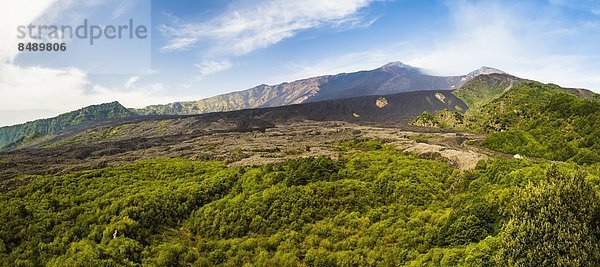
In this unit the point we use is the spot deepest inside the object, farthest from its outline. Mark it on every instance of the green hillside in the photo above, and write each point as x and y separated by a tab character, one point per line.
370	207
527	118
485	88
540	120
13	136
229	102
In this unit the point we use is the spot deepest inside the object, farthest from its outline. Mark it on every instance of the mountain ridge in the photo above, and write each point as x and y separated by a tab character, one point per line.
476	89
394	77
15	135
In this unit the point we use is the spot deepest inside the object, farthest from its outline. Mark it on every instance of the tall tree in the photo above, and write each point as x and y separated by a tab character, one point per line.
554	223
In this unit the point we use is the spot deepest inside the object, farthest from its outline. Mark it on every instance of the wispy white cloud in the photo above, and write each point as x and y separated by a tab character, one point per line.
210	67
133	79
244	28
122	8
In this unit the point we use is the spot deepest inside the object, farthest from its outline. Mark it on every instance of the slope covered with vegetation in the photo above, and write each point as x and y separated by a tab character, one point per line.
540	120
13	136
229	102
485	88
527	118
373	206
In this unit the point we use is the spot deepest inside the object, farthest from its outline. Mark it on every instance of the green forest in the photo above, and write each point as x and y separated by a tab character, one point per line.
373	206
531	119
17	135
543	121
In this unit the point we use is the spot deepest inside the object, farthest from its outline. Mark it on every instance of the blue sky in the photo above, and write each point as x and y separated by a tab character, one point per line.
204	48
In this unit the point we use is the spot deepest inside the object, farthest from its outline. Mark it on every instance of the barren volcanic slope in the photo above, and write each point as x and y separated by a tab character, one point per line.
143	133
395	108
367	109
392	78
389	79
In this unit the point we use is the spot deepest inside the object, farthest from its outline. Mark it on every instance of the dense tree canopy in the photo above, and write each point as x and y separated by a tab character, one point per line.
541	121
554	223
372	206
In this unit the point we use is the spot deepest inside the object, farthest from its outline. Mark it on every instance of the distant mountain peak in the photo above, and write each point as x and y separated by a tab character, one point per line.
486	70
490	69
482	71
398	66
